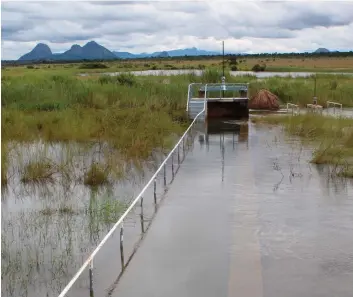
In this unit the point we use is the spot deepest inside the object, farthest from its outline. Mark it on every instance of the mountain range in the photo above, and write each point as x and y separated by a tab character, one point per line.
94	51
322	50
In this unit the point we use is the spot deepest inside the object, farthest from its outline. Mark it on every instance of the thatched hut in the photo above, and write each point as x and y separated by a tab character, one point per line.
264	99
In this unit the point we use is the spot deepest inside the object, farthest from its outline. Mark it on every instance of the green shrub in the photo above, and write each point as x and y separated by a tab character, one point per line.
258	68
93	66
126	79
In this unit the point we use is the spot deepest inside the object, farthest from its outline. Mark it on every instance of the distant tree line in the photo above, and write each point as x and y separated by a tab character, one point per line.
229	57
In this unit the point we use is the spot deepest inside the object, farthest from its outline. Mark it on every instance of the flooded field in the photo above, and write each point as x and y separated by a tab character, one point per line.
332	112
247	215
233	73
299	214
49	227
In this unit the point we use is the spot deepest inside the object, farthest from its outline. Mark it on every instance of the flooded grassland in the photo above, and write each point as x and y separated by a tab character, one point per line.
76	151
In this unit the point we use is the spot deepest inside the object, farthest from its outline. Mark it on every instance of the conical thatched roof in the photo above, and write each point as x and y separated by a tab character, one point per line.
264	99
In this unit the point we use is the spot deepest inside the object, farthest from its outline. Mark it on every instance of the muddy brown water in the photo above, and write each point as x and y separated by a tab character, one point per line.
245	215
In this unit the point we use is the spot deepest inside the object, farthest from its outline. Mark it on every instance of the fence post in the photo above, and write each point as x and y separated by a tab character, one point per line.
178	154
122	246
155	191
91	292
183	147
141	217
173	165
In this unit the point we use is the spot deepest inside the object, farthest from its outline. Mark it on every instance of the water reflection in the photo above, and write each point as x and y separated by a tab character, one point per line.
164	72
226	130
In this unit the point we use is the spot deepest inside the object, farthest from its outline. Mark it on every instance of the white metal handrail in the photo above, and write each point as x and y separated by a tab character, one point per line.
89	261
189	91
315	108
294	106
228	84
210	85
334	105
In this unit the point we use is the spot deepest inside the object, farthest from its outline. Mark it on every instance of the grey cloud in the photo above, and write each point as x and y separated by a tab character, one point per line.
10	28
312	19
323	14
71	38
115	3
194	7
287	15
78	11
309	21
159	15
149	23
269	32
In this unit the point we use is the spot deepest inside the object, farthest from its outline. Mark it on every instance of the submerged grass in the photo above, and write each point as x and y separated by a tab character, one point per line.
96	175
4	163
62	210
332	136
37	172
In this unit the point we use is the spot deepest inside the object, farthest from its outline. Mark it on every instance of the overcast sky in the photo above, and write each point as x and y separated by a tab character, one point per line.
147	26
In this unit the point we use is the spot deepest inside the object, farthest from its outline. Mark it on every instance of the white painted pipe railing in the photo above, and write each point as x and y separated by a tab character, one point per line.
315	107
89	262
294	108
210	85
190	91
328	103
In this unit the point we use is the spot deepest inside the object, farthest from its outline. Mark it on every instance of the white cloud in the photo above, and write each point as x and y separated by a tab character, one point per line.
246	26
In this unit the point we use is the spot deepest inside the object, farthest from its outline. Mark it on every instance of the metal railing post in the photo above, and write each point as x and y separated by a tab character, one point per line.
292	107
183	148
173	166
178	154
141	217
122	246
155	191
187	103
91	292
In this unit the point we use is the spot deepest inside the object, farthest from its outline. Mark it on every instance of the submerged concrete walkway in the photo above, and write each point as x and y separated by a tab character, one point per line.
202	242
246	225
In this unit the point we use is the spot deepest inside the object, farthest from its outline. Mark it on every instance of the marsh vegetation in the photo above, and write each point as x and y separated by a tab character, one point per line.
331	137
75	150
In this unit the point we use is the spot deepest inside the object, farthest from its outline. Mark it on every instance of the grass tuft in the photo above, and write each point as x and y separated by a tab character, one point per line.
97	175
38	172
